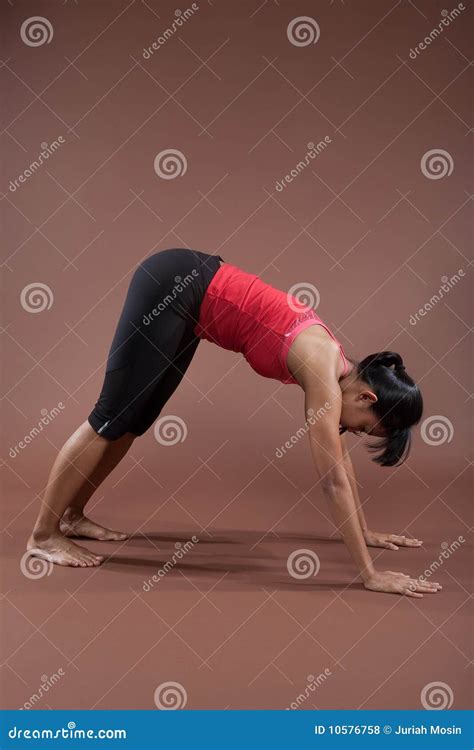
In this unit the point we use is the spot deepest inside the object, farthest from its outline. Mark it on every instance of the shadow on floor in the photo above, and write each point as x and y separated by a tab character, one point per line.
234	537
238	557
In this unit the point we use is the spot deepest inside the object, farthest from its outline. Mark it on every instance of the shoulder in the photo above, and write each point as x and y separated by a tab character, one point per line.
314	353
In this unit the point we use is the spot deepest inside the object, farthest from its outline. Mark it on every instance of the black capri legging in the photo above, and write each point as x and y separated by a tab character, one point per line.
154	342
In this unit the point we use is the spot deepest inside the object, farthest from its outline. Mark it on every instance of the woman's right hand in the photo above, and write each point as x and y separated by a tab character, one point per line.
399	583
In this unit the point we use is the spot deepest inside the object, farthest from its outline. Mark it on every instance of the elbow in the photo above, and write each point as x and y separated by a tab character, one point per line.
334	482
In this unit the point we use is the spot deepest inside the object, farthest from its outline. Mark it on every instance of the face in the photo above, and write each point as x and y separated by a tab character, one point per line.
357	414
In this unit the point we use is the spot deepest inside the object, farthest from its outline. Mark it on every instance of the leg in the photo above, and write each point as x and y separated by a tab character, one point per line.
74	523
84	456
154	329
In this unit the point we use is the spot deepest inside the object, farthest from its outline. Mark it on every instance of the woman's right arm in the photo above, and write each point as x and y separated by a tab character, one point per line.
328	456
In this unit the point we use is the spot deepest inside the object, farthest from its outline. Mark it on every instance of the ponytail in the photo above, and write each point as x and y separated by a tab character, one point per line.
398	407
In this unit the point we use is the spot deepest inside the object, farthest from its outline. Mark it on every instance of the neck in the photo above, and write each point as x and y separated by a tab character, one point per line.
350	379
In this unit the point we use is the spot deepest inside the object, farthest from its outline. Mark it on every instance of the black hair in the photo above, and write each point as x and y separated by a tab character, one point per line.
398	408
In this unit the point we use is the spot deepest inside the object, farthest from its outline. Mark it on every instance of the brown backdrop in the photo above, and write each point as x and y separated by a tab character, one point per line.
372	223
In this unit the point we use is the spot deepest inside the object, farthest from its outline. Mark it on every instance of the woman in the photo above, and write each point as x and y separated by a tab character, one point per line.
179	296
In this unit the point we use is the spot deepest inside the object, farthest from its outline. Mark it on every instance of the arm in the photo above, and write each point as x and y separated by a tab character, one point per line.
372	538
327	452
352	481
328	455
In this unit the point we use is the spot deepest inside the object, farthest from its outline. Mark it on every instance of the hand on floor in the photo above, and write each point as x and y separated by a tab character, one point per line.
389	541
400	583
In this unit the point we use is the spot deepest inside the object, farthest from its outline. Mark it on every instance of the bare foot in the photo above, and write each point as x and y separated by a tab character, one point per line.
59	550
74	524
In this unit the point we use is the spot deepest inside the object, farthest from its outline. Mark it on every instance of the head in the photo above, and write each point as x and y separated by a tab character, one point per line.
379	398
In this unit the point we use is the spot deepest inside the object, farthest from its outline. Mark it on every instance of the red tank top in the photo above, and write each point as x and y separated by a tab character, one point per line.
241	313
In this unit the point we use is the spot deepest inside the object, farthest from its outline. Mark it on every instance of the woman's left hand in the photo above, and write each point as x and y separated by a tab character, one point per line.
389	541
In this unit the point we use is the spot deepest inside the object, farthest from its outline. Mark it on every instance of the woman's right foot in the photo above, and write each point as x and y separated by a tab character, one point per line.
61	551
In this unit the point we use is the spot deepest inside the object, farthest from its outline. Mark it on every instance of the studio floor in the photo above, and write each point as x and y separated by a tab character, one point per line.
224	621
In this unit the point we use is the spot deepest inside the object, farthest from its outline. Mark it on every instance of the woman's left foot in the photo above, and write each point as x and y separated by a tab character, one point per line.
73	525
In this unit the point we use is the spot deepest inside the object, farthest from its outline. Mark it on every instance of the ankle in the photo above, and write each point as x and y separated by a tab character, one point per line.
43	533
72	514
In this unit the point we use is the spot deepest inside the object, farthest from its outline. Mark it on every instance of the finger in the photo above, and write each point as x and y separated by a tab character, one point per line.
408	592
404	541
389	545
422	586
423	582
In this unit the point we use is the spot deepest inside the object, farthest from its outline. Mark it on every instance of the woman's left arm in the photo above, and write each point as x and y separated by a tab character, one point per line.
353	483
372	538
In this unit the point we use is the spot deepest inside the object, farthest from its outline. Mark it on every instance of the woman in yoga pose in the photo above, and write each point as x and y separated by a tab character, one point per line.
179	296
